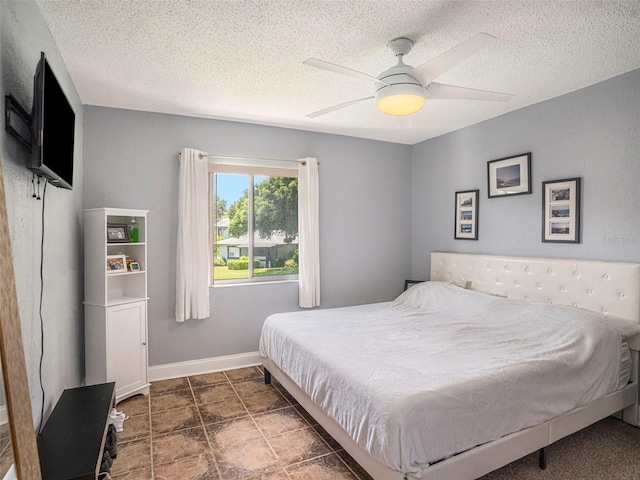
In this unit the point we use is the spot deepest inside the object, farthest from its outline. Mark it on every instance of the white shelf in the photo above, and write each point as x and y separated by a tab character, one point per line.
119	212
124	244
117	301
115	304
122	300
119	274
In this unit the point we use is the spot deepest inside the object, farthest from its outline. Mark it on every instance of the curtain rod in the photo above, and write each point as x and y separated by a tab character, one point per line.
232	157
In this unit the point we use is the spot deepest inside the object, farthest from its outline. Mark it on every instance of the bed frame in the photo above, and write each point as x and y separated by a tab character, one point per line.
610	288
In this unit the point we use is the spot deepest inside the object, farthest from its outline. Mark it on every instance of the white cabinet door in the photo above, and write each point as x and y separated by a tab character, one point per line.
127	347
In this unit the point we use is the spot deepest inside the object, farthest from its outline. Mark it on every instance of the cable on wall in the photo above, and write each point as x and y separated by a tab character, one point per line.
44	193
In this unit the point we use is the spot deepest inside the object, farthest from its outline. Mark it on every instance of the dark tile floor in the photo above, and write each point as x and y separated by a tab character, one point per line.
225	425
230	425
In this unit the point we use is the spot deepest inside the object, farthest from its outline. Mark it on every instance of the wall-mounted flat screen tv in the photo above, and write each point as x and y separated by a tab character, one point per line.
53	129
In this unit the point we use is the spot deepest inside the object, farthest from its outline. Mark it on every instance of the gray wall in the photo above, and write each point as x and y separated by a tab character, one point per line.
365	218
23	36
593	133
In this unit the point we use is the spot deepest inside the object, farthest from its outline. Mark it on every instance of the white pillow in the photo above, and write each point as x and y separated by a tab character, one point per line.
425	293
627	328
466	284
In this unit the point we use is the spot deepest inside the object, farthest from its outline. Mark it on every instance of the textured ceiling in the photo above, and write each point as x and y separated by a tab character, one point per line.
242	60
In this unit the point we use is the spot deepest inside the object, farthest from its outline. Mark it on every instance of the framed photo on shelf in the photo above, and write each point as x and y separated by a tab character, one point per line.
134	266
561	211
466	215
116	263
509	176
117	233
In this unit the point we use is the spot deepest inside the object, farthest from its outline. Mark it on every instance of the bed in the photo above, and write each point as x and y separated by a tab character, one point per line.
426	410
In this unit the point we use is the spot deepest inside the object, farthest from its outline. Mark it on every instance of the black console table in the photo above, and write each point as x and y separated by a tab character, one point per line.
73	439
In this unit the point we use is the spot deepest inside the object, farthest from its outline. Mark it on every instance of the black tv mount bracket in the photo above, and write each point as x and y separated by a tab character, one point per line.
17	121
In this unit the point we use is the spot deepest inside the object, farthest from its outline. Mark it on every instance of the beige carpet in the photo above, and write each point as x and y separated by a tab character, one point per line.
609	449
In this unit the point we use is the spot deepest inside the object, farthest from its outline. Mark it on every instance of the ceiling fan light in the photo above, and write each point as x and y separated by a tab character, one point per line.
403	99
403	104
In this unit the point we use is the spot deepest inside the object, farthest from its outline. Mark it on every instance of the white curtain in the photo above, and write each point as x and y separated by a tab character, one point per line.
309	233
193	254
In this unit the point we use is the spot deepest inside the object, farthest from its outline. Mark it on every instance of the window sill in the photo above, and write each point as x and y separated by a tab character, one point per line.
252	283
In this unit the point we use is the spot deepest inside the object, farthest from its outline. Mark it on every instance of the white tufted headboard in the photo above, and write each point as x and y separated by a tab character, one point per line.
611	288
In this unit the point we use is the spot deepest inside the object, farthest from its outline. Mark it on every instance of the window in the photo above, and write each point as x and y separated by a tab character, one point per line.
255	223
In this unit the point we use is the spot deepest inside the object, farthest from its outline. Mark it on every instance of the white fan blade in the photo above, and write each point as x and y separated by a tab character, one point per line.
434	68
312	62
404	121
337	107
441	91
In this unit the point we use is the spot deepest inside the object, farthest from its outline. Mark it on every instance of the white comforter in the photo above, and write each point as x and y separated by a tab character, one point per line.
442	369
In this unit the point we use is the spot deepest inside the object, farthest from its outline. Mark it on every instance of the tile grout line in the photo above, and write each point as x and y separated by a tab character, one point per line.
120	443
304	419
290	402
153	474
282	467
204	427
332	450
195	404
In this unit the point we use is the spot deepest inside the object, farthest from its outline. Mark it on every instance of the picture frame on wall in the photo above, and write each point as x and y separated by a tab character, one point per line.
561	210
466	215
509	176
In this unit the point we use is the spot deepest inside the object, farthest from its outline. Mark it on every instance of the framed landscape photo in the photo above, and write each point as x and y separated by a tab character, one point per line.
561	211
466	215
117	233
509	176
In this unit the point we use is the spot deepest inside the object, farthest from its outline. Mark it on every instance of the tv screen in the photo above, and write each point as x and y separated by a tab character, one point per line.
53	129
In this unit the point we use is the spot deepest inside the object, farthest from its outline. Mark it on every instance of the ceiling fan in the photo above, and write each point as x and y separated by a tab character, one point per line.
403	89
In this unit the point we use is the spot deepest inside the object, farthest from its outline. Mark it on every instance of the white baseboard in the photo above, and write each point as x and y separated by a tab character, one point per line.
205	365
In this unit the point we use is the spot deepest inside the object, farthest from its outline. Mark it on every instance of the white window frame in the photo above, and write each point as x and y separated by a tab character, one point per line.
251	171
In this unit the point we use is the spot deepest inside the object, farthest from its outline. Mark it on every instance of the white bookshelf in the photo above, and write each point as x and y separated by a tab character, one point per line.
115	304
